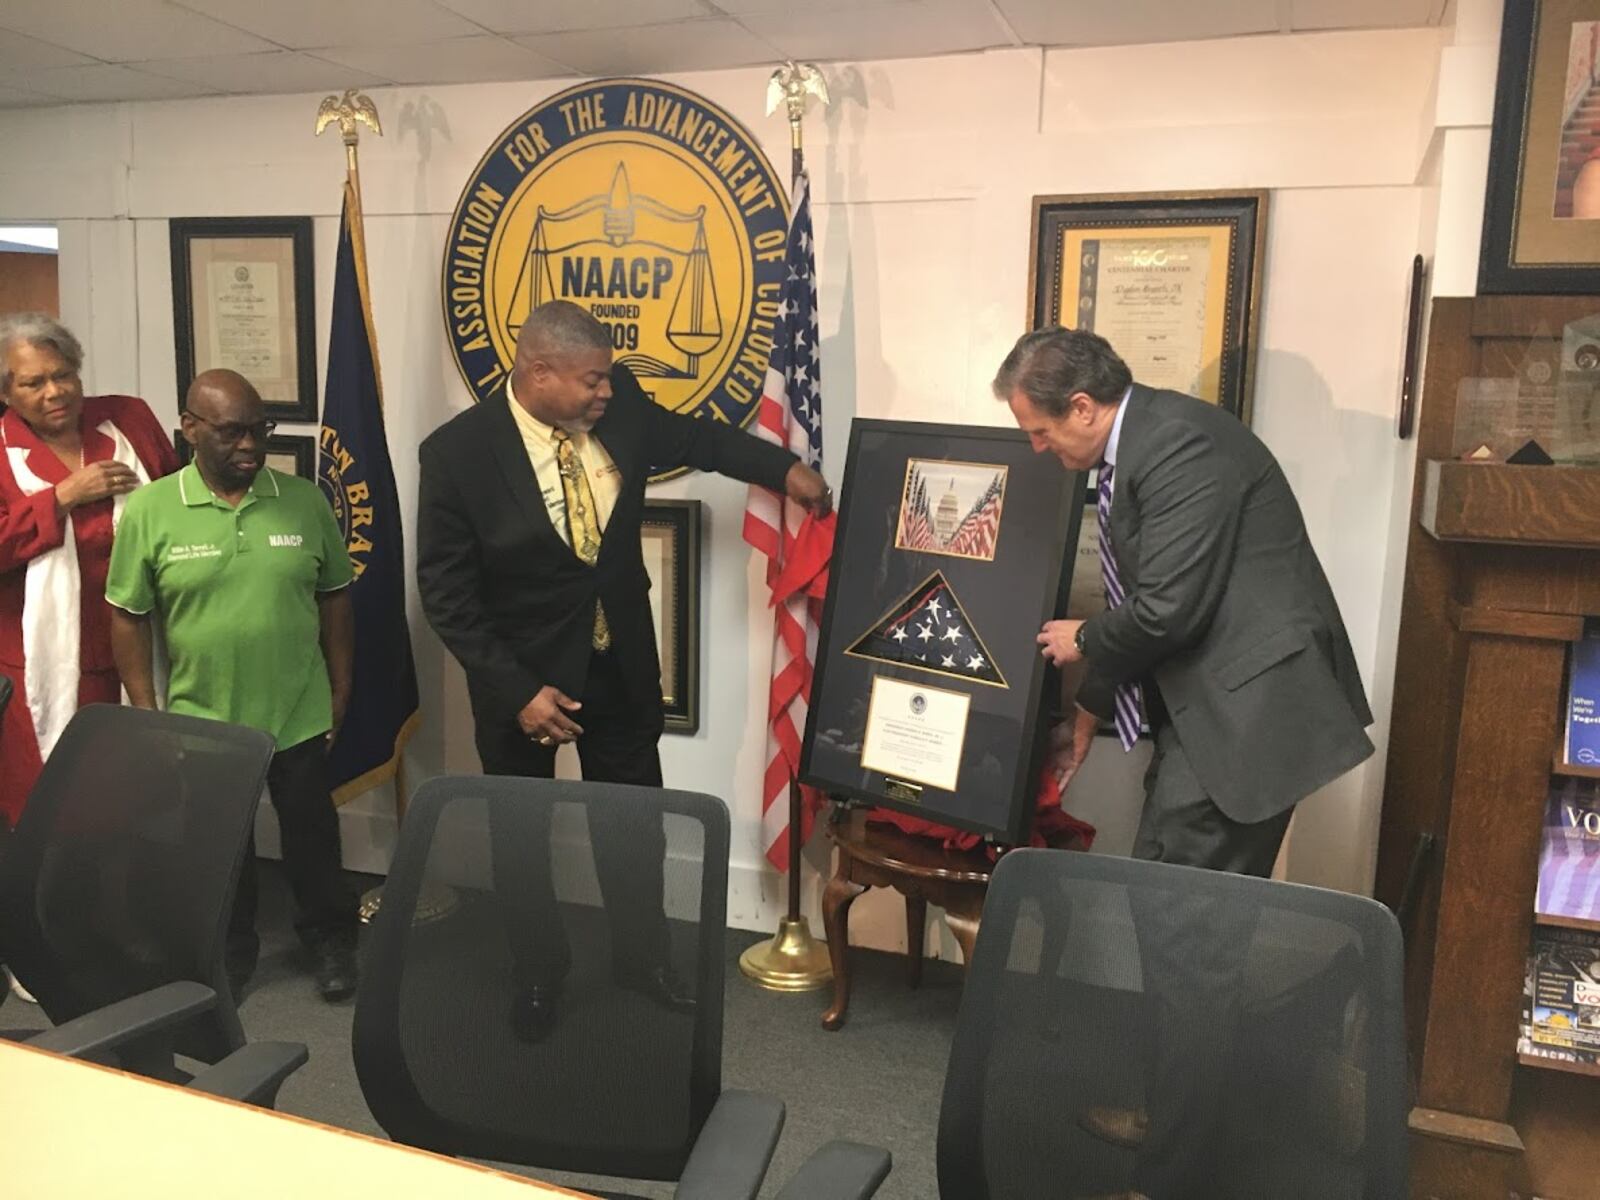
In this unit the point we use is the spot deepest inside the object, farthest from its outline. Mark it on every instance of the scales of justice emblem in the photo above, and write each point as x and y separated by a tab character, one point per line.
625	247
648	206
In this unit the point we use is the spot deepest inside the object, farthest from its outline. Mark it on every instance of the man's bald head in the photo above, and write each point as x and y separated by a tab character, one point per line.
223	395
225	421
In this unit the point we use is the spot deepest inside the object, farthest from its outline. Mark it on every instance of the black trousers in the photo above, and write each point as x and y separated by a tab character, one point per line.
325	904
618	745
1193	952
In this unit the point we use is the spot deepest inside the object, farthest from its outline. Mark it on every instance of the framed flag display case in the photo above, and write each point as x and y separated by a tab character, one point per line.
952	550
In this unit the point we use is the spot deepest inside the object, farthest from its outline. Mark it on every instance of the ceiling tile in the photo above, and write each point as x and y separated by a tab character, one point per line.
274	73
21	53
652	49
1127	22
903	30
105	81
740	7
300	24
455	60
555	16
16	98
126	30
1360	14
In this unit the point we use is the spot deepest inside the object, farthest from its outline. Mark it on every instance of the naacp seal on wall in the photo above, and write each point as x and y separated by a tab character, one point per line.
649	206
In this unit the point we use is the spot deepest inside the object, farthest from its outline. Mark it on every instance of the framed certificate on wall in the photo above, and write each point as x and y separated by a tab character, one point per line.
242	299
1171	279
954	545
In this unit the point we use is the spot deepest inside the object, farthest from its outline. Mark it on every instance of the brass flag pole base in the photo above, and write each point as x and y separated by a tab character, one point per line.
435	900
790	961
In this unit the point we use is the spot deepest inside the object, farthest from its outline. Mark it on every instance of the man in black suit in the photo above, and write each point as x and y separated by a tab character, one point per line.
1223	636
530	569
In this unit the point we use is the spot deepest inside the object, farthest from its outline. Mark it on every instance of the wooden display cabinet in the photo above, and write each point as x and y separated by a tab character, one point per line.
1503	564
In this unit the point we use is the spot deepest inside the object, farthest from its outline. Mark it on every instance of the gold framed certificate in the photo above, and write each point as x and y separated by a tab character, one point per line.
242	300
915	732
1170	279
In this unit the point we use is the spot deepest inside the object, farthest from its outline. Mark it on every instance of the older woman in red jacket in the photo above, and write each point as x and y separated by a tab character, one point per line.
66	462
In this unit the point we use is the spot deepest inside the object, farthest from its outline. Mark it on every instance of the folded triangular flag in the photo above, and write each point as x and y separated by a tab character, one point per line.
930	631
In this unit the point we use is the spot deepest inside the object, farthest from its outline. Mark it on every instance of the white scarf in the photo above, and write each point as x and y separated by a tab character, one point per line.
52	609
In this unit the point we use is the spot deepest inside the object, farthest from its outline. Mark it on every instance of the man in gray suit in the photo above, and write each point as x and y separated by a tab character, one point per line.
1224	638
1226	634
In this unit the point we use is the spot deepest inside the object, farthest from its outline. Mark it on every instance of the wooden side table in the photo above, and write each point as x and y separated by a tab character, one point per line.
919	869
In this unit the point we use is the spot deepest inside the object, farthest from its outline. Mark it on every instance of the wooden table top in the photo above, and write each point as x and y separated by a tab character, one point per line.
74	1129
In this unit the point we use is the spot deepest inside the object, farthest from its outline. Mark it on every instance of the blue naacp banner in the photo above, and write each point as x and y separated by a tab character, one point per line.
355	473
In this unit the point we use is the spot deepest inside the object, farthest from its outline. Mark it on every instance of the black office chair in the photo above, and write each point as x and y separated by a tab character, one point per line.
252	1074
1137	1027
620	1085
120	874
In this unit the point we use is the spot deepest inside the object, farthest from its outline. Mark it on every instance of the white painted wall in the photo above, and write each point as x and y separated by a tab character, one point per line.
923	172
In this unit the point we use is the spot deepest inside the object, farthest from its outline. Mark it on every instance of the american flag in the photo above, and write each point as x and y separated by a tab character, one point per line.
790	415
916	529
976	533
929	630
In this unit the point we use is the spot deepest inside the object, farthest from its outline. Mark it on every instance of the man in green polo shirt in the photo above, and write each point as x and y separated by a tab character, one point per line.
247	571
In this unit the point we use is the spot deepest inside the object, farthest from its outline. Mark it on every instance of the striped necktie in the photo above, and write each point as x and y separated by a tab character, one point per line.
1129	697
583	523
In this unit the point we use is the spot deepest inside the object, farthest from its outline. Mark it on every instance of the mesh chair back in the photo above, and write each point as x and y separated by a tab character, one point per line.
1255	1027
121	871
499	883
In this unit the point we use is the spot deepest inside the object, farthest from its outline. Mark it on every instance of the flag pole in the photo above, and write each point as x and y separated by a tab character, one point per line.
350	110
792	960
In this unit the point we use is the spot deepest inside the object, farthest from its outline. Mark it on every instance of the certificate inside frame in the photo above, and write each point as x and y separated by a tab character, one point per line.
670	537
242	298
1534	241
1000	602
1171	279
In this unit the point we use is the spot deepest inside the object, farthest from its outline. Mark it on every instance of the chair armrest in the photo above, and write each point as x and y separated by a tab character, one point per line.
152	1012
839	1171
730	1157
253	1073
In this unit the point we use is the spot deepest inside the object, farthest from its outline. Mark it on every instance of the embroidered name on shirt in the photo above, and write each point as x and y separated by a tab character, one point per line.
284	539
194	550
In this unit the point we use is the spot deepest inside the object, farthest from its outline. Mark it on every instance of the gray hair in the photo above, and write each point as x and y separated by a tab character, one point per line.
1049	366
36	329
560	327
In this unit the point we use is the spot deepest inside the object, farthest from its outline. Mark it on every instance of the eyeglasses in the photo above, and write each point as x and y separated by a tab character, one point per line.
231	431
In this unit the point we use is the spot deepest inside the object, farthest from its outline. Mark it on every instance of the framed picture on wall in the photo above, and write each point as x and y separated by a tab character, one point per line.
1541	219
291	453
670	533
1171	279
242	299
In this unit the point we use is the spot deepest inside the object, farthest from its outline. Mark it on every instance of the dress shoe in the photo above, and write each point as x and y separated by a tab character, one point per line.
335	970
533	1014
662	986
1125	1127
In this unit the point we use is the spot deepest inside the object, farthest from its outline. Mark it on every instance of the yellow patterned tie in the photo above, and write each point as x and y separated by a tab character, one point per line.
583	526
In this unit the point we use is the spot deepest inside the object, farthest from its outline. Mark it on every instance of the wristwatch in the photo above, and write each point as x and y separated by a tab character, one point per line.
1077	640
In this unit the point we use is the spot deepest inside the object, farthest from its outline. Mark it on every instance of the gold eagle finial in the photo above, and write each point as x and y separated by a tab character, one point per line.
791	84
350	109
